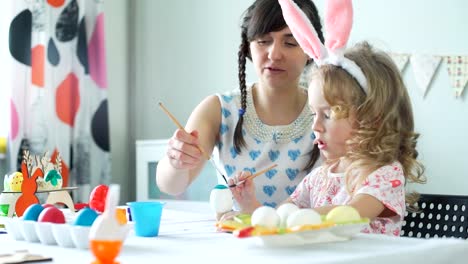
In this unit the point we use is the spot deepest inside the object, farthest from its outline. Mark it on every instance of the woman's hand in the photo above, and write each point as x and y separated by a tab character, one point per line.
183	150
244	193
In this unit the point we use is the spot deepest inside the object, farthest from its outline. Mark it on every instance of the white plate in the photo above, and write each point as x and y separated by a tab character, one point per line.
323	235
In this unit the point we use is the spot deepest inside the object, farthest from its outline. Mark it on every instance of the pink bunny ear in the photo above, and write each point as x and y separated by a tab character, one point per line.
338	23
302	29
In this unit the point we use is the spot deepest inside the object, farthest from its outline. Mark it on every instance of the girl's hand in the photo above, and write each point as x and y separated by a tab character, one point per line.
183	151
244	193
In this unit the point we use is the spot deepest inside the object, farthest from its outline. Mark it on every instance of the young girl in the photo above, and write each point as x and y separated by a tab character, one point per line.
363	124
258	125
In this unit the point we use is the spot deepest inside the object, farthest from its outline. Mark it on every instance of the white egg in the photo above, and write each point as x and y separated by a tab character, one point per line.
221	199
304	217
284	211
265	216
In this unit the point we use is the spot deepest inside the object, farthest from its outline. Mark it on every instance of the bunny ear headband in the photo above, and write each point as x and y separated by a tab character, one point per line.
338	22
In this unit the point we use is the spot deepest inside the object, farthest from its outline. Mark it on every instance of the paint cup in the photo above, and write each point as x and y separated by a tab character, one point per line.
147	217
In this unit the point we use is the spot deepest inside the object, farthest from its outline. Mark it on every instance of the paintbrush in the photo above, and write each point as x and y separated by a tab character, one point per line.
253	175
172	117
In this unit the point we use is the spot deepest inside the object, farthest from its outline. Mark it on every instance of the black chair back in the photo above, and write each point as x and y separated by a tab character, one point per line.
438	216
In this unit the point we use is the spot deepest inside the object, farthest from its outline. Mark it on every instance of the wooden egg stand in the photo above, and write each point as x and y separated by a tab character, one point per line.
22	200
54	196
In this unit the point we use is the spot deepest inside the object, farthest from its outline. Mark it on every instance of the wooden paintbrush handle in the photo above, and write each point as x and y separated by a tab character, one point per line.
172	117
262	171
254	175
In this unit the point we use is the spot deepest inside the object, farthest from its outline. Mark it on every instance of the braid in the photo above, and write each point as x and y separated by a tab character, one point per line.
239	141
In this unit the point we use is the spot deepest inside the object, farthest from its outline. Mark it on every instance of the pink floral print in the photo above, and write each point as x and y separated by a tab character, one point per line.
322	187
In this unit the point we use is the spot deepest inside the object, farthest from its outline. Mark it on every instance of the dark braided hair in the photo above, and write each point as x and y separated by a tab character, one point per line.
262	17
243	51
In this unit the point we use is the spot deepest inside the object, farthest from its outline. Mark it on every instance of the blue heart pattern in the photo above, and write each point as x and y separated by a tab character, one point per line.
271	173
292	173
226	113
233	152
257	141
273	204
294	154
312	136
269	190
297	139
251	170
220	145
290	189
254	154
229	169
227	98
273	155
223	128
275	137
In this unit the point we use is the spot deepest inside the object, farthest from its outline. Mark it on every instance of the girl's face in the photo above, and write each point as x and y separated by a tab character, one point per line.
330	134
278	59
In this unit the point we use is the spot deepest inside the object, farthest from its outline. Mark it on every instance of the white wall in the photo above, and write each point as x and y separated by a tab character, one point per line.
184	50
117	29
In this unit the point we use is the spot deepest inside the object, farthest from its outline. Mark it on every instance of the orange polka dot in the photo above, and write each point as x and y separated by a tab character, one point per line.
56	3
67	99
37	65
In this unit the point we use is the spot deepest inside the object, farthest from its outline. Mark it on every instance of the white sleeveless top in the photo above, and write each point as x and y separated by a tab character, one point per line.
288	146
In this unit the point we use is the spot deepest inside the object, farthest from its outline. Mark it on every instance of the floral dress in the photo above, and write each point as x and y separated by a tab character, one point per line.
322	188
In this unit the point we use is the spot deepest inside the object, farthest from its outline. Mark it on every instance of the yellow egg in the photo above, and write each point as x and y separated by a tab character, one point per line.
16	181
343	214
3	145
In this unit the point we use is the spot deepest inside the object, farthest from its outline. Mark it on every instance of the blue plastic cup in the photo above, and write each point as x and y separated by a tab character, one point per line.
147	217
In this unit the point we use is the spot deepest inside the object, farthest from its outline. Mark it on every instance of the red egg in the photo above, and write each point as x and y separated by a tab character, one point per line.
97	199
52	215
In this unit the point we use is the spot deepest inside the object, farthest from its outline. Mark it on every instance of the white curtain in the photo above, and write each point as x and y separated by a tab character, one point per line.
59	88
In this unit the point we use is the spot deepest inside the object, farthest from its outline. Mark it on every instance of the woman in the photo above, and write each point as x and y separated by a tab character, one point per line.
258	125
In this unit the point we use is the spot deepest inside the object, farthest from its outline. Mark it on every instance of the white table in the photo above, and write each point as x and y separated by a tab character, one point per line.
188	234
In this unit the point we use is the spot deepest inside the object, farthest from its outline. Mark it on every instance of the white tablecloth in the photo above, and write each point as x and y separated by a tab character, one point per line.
188	234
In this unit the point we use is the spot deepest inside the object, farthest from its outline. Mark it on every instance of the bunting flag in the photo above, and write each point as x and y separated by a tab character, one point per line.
59	93
424	68
457	68
400	60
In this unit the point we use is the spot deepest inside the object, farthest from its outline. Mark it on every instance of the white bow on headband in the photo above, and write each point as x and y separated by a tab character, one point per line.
338	23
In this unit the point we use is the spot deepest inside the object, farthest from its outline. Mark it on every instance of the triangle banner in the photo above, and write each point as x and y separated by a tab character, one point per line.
400	60
424	68
457	67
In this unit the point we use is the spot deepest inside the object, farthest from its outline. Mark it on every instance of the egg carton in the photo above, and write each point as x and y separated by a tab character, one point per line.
64	235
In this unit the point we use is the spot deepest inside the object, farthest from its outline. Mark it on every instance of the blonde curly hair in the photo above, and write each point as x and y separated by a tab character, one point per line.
384	126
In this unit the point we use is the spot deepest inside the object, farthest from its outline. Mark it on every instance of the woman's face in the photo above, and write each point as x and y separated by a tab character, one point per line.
278	59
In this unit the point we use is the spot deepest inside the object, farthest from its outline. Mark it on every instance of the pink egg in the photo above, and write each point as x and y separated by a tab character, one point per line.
52	215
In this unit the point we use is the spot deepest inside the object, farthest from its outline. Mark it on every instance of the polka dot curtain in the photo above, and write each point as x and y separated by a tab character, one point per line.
59	88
